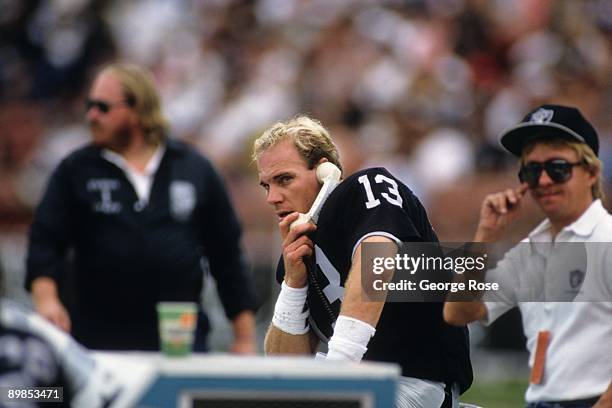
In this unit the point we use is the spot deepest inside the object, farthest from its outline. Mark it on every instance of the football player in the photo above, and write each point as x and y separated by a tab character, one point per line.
320	268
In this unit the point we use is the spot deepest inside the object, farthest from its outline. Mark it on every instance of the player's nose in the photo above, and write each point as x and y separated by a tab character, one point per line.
92	114
545	179
274	196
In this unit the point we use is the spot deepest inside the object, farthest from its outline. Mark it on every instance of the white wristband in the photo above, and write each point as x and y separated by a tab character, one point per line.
350	339
289	314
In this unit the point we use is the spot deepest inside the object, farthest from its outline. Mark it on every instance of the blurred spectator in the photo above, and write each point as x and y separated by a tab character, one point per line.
140	210
49	46
228	68
560	168
22	128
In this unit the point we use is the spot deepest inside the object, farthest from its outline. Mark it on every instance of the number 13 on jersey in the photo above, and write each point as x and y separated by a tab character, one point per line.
392	196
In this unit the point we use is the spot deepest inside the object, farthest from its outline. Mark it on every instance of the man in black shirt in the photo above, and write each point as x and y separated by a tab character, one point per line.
320	269
140	211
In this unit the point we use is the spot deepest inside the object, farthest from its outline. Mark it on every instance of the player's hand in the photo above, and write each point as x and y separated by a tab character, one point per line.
497	212
297	246
54	311
47	302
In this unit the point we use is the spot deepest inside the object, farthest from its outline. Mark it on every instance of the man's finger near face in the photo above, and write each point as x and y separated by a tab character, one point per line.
298	254
302	247
298	231
285	223
287	220
302	240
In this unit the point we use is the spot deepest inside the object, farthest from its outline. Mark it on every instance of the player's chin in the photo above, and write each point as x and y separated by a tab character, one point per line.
550	205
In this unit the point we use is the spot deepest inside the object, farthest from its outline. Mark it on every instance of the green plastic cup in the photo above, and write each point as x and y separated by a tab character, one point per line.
177	323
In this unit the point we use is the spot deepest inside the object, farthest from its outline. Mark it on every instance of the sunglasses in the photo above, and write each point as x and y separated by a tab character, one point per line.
559	171
102	106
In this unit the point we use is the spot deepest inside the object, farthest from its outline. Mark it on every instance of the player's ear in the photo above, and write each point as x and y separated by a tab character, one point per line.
594	174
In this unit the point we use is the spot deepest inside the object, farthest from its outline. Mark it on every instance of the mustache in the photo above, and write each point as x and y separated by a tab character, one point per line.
544	191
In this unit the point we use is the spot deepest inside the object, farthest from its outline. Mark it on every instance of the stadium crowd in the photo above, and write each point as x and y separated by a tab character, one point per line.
421	87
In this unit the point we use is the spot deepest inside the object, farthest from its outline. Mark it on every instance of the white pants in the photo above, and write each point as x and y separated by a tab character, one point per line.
417	393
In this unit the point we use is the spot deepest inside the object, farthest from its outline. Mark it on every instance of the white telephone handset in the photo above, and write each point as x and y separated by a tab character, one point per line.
328	174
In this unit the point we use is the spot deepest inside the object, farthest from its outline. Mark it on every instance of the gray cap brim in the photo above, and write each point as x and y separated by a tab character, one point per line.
515	138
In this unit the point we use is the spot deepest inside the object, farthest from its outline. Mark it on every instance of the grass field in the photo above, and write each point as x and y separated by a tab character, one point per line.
505	394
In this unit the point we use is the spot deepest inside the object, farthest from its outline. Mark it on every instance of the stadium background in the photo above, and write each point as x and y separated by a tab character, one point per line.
422	87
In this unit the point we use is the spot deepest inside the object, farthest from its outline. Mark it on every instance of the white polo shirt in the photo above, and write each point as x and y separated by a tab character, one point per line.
578	360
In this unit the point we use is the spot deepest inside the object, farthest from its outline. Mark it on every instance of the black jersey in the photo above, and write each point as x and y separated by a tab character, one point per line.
129	255
414	335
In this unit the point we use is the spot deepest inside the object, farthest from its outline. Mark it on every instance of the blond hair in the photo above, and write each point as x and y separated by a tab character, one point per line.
586	156
140	93
310	138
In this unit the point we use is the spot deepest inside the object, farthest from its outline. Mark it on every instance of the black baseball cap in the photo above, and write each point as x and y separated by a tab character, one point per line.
554	121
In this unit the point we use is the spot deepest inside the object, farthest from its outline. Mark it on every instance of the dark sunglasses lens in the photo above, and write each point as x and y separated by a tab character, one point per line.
102	106
530	174
558	170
